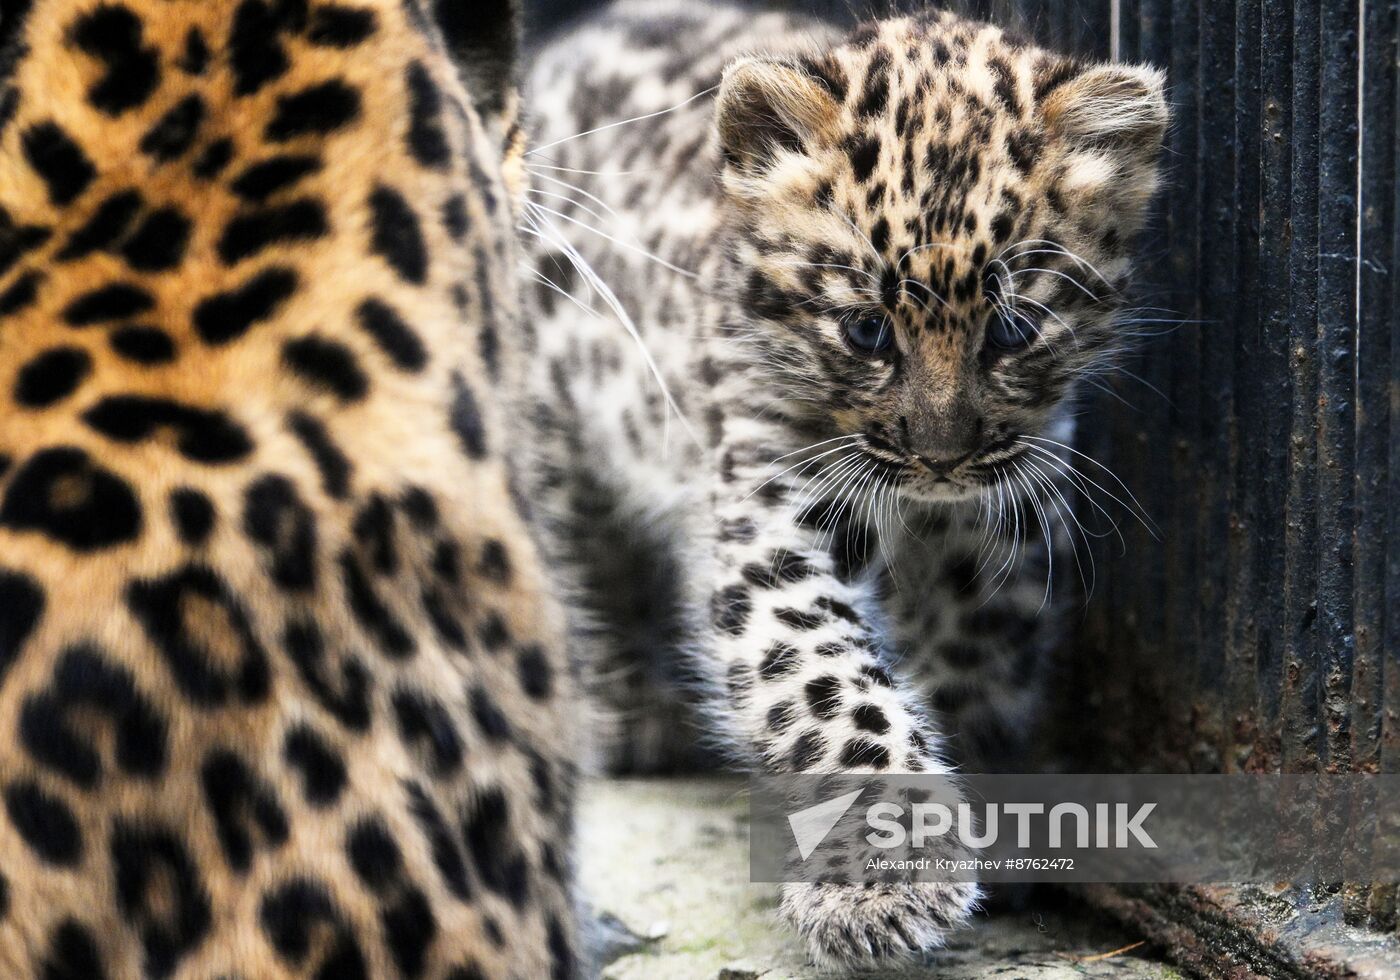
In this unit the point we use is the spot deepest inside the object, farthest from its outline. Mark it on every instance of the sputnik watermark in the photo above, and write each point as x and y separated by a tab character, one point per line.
889	830
1076	828
811	824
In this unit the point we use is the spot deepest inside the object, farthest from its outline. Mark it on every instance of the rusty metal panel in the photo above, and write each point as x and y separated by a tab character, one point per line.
1266	453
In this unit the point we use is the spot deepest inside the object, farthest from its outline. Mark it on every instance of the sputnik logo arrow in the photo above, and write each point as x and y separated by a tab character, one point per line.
810	826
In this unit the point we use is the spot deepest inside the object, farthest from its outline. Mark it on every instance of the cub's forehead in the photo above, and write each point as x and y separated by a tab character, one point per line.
938	57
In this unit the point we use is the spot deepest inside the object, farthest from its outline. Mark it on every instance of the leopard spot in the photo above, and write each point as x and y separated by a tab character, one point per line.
824	696
493	632
392	639
334	466
393	336
864	753
779	659
870	718
143	345
21	609
808	750
59	161
494	564
55	724
107	224
284	529
158	243
214	159
298	917
174	132
250	232
73	954
440	611
395	235
200	435
193	515
781	716
489	718
454	217
195	57
336	26
864	153
245	809
112	34
315	111
52	376
160	894
256	55
20	294
203	633
536	674
730	608
373	854
321	768
347	697
326	364
427	140
62	493
45	822
424	721
491	840
115	301
466	420
446	855
267	177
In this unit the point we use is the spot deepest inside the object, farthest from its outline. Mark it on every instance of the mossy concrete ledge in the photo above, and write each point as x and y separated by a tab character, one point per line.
665	864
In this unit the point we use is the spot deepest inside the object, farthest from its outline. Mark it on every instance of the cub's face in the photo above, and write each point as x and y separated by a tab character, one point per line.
933	224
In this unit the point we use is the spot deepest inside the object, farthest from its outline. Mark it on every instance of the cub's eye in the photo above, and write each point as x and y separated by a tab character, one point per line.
869	333
1011	330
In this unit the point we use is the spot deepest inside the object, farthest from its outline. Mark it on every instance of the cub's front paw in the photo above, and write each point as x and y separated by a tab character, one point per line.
854	926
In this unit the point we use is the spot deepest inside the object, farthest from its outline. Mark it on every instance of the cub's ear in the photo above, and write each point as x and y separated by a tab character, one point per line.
483	37
1119	108
767	107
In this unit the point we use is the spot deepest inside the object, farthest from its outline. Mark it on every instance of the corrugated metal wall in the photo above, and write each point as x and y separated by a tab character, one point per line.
1263	620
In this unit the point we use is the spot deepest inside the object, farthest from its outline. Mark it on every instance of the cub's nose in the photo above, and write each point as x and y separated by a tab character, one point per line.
943	439
944	466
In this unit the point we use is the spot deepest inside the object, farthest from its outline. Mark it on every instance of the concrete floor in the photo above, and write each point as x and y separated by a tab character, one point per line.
666	865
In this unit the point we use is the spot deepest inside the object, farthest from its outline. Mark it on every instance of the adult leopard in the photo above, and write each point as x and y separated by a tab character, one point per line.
281	684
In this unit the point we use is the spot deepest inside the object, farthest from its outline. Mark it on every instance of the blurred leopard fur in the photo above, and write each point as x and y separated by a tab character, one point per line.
282	679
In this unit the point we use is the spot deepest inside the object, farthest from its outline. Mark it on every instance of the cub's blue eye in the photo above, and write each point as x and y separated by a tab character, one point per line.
1011	331
870	333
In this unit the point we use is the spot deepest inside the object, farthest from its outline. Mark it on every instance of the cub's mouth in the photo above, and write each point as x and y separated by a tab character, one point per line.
986	468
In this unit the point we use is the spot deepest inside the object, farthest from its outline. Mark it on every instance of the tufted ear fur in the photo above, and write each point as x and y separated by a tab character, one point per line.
766	107
483	37
1119	108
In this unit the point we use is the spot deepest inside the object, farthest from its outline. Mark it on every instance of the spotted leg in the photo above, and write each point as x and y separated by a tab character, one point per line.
974	613
809	691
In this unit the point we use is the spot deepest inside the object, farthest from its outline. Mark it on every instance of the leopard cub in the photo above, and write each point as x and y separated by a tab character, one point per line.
808	330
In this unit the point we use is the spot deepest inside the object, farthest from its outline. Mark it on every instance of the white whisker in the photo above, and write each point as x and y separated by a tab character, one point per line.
623	122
